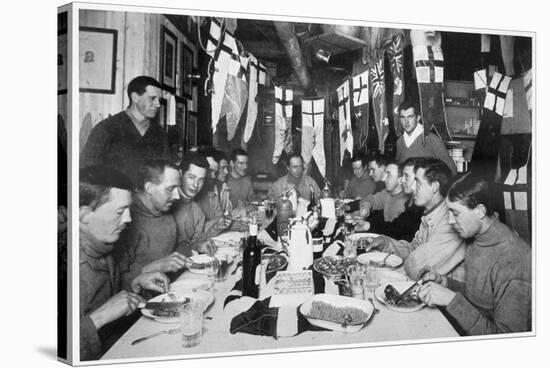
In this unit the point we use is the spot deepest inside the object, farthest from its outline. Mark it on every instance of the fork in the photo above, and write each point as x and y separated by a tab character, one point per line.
170	332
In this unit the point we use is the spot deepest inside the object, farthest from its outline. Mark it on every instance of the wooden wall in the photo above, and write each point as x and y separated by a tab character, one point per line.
138	53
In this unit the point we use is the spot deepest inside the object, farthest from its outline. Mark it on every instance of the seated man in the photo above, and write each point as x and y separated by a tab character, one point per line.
105	198
496	295
150	241
391	200
190	220
435	244
361	184
239	183
213	199
406	224
302	182
376	168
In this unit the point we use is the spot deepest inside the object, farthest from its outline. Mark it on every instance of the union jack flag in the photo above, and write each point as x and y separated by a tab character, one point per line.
377	79
395	52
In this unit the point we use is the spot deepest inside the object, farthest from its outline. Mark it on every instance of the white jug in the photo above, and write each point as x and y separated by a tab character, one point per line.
300	247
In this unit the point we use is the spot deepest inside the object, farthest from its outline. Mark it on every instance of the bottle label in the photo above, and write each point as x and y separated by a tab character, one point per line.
253	229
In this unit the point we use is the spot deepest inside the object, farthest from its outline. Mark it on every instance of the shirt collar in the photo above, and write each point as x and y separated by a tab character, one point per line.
409	139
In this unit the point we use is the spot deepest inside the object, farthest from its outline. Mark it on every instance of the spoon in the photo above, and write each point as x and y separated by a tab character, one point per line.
170	332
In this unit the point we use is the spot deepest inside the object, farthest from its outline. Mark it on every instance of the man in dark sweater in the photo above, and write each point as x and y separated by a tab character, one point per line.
125	140
496	294
413	143
407	223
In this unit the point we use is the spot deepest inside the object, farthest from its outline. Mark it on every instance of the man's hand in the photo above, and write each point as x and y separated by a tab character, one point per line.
222	224
375	243
238	225
430	274
171	263
435	295
362	225
122	304
155	281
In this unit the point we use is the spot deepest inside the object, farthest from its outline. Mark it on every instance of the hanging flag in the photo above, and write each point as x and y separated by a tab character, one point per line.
487	144
229	93
378	88
252	111
361	106
428	62
283	122
395	55
313	120
344	118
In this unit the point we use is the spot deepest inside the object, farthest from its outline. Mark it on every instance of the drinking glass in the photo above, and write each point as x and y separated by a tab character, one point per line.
191	324
371	279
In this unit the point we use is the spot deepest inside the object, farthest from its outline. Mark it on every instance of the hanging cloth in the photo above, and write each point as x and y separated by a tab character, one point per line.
361	106
428	62
313	120
485	154
344	118
252	111
378	93
283	122
229	92
395	55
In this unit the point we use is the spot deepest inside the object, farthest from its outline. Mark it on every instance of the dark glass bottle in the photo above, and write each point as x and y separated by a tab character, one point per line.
251	260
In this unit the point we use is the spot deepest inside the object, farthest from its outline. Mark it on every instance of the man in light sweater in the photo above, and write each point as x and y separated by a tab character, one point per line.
496	294
392	200
435	244
413	143
240	185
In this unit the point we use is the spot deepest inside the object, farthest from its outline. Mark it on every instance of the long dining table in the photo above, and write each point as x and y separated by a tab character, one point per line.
386	326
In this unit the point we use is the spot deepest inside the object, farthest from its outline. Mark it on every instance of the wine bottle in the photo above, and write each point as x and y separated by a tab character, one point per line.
251	260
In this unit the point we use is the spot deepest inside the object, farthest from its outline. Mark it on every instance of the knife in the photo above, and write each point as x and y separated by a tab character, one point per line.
408	292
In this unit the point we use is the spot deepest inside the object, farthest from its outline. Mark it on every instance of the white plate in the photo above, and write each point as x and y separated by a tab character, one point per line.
337	301
229	239
392	261
190	285
205	297
202	259
386	275
400	286
358	236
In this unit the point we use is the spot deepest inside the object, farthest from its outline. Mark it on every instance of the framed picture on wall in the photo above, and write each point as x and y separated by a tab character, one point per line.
62	61
186	70
97	59
168	57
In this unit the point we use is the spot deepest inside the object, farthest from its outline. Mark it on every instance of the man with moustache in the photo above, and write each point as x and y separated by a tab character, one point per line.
125	140
190	220
105	196
435	244
149	243
406	224
391	201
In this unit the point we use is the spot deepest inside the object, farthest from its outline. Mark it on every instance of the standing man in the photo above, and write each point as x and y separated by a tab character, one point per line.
435	244
150	241
105	197
392	200
496	295
412	144
296	177
361	184
125	140
239	183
